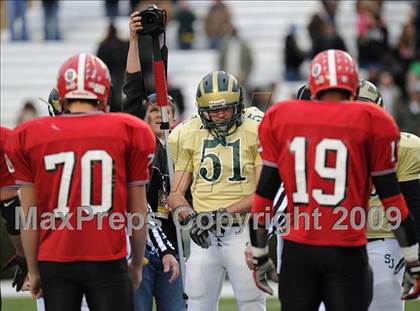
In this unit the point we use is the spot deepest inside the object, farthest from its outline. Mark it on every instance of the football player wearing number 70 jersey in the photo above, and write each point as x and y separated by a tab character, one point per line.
327	151
83	158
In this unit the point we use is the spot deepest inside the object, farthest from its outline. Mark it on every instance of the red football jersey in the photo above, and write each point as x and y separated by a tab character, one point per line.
7	181
326	153
80	160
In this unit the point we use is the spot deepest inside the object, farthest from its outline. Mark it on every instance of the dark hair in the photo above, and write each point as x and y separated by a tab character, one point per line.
29	105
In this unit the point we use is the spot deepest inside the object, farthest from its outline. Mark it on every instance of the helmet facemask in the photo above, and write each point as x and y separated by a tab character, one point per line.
224	128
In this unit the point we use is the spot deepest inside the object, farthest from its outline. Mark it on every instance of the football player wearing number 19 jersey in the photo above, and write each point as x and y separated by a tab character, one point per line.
327	151
82	158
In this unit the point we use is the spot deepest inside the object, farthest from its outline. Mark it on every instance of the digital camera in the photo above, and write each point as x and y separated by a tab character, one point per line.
153	21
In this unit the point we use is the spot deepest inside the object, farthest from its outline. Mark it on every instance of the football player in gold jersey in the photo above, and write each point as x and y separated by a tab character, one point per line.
383	250
215	152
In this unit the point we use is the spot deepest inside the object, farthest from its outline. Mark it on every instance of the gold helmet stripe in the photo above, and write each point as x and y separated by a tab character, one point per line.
214	82
202	91
230	85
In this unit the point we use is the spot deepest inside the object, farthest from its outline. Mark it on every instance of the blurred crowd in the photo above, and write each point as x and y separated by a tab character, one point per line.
395	68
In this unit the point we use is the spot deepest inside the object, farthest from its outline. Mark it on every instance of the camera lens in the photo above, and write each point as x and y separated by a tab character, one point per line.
150	19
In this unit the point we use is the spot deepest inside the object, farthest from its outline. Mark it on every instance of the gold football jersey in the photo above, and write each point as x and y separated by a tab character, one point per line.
408	168
222	174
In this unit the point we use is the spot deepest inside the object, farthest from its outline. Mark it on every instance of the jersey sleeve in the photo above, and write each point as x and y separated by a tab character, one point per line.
268	146
141	154
17	160
180	154
257	115
408	167
384	144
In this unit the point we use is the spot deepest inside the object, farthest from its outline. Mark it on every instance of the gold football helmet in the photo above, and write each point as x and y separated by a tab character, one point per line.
219	90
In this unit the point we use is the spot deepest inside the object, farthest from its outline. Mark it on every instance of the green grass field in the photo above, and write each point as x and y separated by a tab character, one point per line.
27	304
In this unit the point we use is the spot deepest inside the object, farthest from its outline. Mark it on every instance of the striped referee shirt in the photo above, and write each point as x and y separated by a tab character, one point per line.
157	242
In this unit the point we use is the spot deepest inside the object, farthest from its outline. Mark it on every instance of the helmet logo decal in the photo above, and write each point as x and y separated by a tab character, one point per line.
217	103
70	75
316	70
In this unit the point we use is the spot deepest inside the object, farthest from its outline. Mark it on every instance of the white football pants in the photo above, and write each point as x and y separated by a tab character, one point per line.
387	289
206	269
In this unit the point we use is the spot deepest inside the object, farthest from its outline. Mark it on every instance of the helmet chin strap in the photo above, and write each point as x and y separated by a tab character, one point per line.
220	137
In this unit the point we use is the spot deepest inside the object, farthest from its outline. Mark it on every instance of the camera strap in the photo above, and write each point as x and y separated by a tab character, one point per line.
164	55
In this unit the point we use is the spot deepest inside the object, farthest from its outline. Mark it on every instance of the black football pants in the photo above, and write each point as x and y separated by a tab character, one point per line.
106	285
338	276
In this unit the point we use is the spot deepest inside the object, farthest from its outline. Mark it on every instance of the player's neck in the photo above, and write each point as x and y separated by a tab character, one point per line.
334	96
80	107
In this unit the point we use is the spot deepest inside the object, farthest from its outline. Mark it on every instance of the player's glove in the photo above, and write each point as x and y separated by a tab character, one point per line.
221	221
264	270
20	273
199	231
411	281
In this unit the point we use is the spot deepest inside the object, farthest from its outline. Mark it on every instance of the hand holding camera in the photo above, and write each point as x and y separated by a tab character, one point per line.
153	21
135	24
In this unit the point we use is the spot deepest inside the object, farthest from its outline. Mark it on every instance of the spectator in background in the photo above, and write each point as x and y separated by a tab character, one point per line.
372	41
113	51
391	94
316	26
28	112
293	56
330	39
330	7
235	57
112	9
316	29
217	24
406	47
51	27
16	17
417	22
408	116
185	17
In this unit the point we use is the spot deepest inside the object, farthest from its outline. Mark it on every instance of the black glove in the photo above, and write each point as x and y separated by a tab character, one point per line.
198	233
411	281
264	270
21	270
